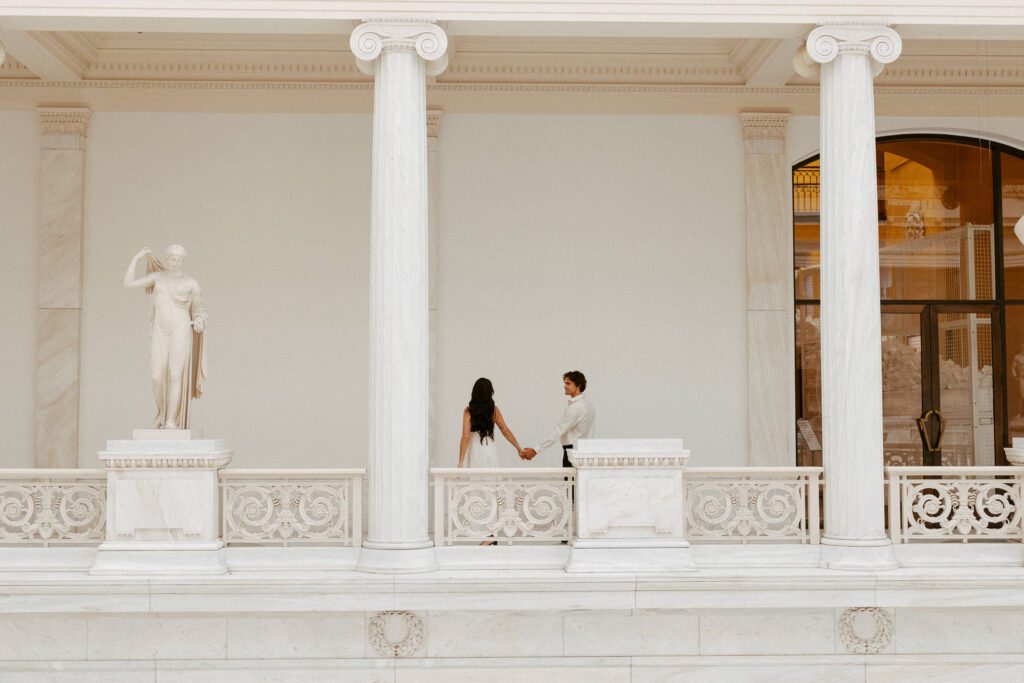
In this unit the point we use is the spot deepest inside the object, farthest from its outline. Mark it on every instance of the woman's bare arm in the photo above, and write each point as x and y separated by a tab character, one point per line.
464	443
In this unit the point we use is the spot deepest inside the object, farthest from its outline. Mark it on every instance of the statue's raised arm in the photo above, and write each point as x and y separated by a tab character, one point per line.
177	360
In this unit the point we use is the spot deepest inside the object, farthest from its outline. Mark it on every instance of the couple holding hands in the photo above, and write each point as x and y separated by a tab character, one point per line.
477	447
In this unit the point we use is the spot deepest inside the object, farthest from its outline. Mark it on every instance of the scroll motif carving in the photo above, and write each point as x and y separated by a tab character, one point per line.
276	512
33	512
962	508
524	510
746	509
428	40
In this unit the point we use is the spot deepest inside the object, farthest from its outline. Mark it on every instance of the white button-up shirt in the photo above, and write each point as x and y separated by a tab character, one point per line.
577	423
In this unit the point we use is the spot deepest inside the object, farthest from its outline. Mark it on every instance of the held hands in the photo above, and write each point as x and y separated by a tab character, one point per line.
527	454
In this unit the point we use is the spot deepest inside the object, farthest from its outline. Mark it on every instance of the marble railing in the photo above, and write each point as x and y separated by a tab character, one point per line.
752	504
292	507
514	506
955	503
44	507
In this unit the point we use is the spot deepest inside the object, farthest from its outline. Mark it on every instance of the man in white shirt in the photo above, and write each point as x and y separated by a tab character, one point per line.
577	422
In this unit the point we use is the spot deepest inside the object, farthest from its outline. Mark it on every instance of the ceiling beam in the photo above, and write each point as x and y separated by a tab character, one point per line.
38	58
777	67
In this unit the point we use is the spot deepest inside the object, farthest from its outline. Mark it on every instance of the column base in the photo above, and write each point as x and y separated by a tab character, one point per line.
390	560
858	556
629	557
156	559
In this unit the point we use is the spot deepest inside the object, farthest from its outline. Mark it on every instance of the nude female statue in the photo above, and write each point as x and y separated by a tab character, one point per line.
177	362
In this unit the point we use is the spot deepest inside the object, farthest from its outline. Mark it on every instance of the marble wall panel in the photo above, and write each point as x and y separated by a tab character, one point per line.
157	636
770	416
643	632
276	636
494	634
61	195
57	374
29	637
768	632
959	629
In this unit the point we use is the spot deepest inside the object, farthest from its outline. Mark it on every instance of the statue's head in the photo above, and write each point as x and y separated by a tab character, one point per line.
175	256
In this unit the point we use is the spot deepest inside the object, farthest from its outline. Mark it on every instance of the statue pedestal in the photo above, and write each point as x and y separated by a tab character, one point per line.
629	506
163	504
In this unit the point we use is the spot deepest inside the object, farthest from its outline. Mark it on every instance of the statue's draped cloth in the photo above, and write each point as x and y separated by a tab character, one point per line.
192	363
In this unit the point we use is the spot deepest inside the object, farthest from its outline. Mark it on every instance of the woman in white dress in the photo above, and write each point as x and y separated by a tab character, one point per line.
477	447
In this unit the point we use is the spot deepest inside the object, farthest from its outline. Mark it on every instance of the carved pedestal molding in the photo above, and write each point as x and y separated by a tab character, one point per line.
406	623
861	643
59	284
629	498
399	55
163	505
770	415
851	375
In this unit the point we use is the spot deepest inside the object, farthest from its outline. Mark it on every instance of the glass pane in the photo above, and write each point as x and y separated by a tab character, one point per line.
965	388
901	388
808	371
1015	369
806	230
1013	209
935	221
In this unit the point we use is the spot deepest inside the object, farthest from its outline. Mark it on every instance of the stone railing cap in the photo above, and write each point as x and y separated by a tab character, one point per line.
630	446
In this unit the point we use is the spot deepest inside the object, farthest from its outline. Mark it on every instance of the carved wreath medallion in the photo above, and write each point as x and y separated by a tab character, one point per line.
857	644
386	647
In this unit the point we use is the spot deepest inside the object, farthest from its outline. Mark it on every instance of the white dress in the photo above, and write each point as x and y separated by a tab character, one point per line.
483	452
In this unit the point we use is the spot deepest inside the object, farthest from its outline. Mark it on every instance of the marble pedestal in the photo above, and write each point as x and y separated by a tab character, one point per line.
163	505
629	506
1015	454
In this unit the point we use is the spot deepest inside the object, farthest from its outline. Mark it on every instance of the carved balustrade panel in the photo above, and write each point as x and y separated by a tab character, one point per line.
488	504
957	503
63	508
291	510
770	504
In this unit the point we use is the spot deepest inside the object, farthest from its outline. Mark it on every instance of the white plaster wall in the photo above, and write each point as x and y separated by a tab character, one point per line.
274	212
19	214
613	245
609	244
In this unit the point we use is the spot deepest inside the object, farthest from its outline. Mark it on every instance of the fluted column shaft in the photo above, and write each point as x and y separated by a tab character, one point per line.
397	54
851	352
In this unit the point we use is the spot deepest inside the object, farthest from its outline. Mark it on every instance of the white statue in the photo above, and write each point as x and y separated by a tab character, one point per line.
177	360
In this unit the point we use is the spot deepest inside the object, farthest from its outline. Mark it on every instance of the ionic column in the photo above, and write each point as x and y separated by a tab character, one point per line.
399	55
770	400
850	56
59	290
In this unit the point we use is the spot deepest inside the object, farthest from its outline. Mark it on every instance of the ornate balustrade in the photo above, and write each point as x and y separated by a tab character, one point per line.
752	504
955	503
44	507
516	505
292	507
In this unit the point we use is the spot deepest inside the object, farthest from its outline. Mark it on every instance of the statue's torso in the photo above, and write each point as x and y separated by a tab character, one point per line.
172	297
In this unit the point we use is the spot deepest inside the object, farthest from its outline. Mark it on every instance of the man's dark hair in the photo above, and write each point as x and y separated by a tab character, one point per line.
577	378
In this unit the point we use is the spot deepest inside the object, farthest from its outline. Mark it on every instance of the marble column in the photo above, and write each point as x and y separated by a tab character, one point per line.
770	400
400	55
850	56
59	284
433	237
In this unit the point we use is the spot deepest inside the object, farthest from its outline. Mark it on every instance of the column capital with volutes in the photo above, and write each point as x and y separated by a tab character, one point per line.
426	39
825	43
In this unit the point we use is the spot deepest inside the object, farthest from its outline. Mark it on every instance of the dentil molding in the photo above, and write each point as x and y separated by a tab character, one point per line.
64	120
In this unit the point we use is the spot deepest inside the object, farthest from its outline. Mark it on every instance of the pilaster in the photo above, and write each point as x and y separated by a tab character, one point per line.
59	284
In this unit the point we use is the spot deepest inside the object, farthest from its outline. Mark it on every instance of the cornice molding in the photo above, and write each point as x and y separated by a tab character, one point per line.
64	120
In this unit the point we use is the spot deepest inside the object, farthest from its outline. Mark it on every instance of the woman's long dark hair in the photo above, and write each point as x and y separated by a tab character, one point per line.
481	408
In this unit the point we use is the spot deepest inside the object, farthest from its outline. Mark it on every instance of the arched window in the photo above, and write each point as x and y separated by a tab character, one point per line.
951	285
